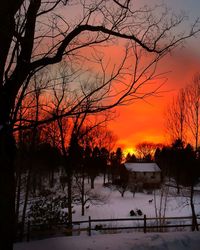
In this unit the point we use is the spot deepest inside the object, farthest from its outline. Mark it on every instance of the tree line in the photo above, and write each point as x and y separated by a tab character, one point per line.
42	166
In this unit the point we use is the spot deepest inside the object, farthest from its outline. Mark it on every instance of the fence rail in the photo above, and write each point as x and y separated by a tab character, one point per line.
159	224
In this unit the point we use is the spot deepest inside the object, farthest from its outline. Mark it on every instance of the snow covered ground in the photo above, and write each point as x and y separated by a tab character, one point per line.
129	241
120	207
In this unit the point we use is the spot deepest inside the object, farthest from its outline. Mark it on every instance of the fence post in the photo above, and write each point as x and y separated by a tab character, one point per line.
89	228
28	231
194	223
145	223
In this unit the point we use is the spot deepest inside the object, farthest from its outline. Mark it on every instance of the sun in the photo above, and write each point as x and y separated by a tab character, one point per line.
129	151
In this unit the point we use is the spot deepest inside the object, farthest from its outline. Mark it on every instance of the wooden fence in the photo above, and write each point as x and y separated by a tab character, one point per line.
142	223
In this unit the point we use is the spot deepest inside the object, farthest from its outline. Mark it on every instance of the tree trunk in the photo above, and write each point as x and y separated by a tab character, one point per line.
69	194
178	182
18	197
7	188
82	208
51	179
83	193
104	178
92	182
25	203
68	168
194	217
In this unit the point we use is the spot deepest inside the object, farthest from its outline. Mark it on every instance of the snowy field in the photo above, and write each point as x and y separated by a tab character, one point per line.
120	207
136	241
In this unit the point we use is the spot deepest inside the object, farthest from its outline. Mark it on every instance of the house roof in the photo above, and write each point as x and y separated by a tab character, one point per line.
142	167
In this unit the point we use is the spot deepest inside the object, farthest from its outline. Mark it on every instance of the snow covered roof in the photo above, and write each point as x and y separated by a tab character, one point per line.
142	167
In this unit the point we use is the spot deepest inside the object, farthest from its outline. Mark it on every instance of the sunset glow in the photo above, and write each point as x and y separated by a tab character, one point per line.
99	103
129	151
144	120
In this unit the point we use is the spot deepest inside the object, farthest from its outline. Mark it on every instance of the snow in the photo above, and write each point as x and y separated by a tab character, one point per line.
120	207
142	167
132	241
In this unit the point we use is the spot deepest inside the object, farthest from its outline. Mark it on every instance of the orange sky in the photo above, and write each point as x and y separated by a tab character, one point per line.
144	119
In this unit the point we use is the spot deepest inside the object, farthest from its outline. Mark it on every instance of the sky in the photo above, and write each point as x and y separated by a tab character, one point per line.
144	119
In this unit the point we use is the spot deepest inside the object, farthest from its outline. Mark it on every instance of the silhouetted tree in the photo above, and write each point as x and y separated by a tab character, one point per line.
193	108
28	44
121	184
131	158
116	160
48	158
176	117
119	156
177	161
104	158
180	162
146	150
94	168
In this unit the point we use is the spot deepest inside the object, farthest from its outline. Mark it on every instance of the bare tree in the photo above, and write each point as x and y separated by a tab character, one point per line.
31	107
147	149
176	117
193	108
99	136
35	34
183	113
59	98
193	120
160	204
85	196
121	188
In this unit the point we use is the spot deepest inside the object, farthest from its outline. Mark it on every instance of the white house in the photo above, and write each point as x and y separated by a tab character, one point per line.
147	175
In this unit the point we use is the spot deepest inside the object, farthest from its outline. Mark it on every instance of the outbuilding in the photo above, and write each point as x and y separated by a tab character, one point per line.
143	175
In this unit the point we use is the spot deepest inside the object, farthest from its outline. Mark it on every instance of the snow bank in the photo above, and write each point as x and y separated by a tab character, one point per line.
128	241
